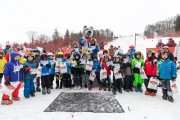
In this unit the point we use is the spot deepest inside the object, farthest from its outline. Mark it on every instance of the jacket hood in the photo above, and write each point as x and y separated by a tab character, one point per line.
13	55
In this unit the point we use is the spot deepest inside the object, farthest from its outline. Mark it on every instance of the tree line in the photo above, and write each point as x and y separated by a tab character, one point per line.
166	28
58	41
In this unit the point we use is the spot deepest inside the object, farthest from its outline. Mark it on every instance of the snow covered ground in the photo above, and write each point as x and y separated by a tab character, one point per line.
137	106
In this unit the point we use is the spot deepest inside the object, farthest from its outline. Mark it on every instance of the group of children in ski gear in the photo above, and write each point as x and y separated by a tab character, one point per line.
79	69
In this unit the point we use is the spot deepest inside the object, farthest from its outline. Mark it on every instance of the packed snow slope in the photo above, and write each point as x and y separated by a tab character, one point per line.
137	106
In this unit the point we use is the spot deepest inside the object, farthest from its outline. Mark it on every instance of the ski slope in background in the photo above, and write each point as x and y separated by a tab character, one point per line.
137	106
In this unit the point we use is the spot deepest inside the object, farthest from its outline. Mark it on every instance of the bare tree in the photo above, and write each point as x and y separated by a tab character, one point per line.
32	35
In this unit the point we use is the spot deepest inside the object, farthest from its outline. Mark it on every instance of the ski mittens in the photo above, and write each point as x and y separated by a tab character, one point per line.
173	78
7	81
48	65
28	69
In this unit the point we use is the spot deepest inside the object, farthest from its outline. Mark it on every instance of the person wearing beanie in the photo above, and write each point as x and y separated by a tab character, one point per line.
150	70
137	64
171	43
160	44
111	51
30	72
2	63
166	72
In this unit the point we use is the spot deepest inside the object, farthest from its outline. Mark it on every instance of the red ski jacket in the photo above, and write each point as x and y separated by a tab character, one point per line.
104	65
150	68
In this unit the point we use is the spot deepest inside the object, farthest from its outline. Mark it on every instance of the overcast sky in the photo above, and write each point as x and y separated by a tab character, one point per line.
124	17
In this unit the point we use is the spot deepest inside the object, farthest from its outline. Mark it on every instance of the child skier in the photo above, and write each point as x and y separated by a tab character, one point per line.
94	48
52	69
59	79
106	64
65	71
2	63
76	71
13	79
37	60
117	82
29	75
150	70
137	64
75	48
96	67
85	73
128	81
45	75
166	72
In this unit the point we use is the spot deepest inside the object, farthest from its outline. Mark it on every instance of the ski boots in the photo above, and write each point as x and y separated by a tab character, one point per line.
6	102
43	91
38	89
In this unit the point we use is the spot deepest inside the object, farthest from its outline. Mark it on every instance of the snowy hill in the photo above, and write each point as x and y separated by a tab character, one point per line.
137	106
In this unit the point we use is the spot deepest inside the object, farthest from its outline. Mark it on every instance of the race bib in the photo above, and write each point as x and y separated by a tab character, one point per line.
83	61
63	67
103	74
153	84
52	62
109	63
173	87
117	74
44	63
89	65
76	49
18	68
116	66
138	65
125	61
92	76
34	71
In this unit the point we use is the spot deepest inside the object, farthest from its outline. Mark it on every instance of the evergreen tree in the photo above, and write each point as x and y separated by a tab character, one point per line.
177	23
